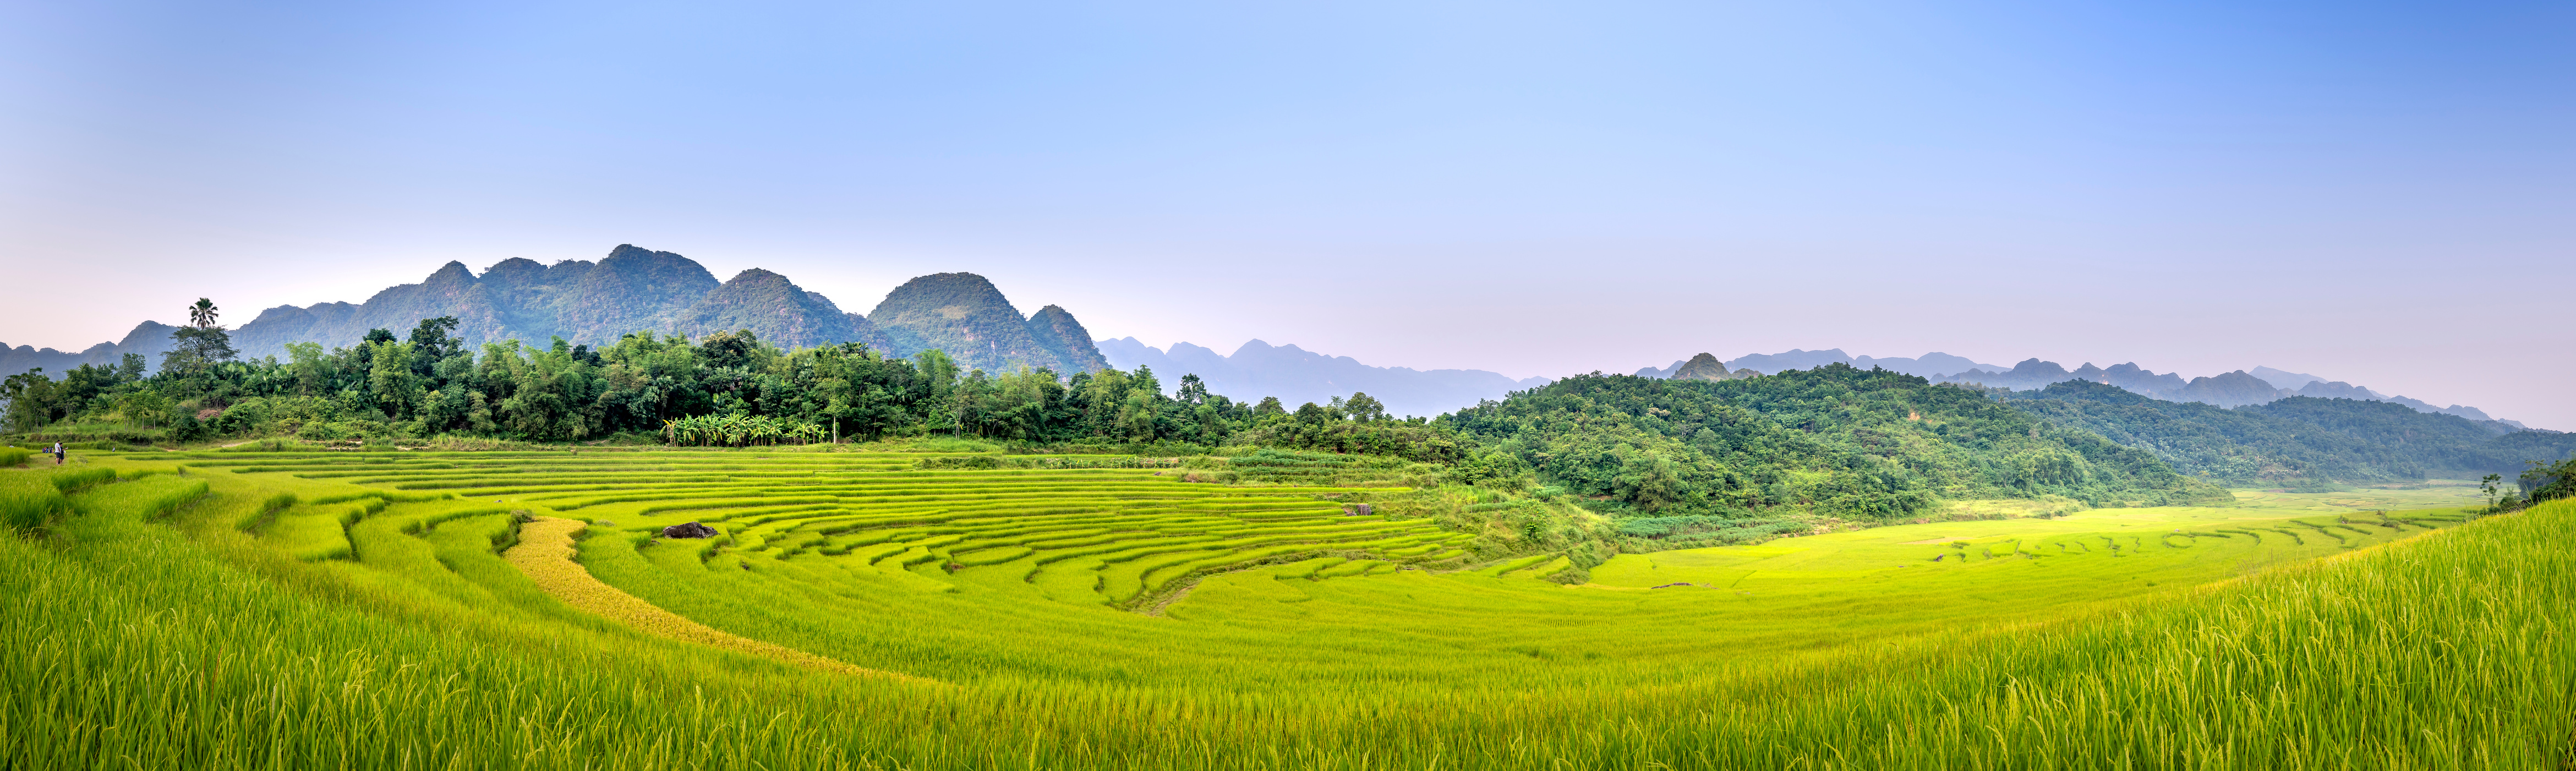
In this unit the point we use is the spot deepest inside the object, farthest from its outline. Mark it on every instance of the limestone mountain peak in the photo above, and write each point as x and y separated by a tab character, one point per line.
634	289
966	316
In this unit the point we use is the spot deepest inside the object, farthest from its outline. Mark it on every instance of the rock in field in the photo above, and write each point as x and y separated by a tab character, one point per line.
688	530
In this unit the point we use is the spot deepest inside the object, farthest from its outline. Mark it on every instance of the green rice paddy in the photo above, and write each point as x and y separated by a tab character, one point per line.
355	609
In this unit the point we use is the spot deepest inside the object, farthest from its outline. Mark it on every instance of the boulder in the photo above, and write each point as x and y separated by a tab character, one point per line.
688	530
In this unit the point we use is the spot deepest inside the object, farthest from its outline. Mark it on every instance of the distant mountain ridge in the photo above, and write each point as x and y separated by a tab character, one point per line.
150	338
1927	365
641	290
1296	376
2239	388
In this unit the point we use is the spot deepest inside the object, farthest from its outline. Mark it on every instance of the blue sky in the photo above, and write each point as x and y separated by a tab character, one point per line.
2378	193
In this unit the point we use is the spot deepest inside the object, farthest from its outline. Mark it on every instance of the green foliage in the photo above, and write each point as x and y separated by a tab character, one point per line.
737	431
1727	530
1269	465
2298	438
1836	441
723	389
12	457
960	462
2317	485
194	350
187	428
2549	482
1380	435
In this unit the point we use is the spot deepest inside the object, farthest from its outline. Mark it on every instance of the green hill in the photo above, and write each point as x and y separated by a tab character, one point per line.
1060	335
965	316
1865	444
778	311
1705	367
2298	438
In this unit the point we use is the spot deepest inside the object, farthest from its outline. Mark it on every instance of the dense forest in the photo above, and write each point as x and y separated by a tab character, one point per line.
1865	444
2298	440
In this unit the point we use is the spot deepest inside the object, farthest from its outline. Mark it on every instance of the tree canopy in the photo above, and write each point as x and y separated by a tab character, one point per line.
1870	444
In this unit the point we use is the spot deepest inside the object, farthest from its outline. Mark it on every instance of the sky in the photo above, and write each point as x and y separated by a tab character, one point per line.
2379	193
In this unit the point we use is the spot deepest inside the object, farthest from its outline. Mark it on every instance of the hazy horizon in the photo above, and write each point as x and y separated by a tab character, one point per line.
2367	193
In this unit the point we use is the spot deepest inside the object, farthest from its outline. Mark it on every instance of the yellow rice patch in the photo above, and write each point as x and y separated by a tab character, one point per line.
544	553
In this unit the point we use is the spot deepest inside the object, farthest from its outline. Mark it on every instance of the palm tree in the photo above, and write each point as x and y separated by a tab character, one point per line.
202	314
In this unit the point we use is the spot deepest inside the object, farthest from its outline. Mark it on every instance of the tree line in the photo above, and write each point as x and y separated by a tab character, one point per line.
429	383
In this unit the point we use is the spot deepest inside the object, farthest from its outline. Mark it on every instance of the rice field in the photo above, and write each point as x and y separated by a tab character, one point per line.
522	610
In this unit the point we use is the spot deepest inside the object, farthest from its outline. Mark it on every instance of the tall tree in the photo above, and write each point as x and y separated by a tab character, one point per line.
433	338
202	314
1193	391
197	349
1365	408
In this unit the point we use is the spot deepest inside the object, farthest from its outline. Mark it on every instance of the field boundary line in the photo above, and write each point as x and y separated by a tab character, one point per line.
545	552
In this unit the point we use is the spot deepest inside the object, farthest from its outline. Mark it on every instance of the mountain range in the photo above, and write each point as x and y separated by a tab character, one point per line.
2239	388
641	290
1295	375
1927	365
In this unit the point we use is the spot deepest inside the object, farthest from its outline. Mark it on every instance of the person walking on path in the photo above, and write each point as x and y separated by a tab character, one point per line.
58	453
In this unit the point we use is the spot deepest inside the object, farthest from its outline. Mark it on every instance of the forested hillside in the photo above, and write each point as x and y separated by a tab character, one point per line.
2296	439
1866	444
963	315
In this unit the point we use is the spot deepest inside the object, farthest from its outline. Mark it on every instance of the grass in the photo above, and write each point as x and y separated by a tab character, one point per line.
74	480
1341	642
28	501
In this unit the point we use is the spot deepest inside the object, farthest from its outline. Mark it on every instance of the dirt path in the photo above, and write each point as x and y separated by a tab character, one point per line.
545	554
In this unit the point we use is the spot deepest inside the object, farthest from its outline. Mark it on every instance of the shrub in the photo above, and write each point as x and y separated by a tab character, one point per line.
187	428
959	462
738	431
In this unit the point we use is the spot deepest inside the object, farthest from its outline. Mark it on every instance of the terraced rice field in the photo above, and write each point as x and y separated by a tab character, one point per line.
1068	572
1064	616
842	523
